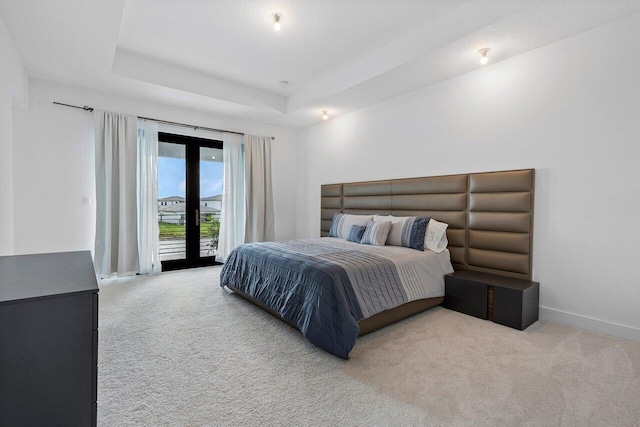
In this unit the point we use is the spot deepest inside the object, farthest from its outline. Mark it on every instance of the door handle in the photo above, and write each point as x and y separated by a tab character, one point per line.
198	217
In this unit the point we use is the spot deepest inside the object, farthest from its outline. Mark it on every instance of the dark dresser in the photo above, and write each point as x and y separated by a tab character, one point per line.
504	300
48	340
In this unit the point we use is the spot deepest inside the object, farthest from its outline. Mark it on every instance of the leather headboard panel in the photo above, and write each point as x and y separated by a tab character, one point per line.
490	215
331	202
500	222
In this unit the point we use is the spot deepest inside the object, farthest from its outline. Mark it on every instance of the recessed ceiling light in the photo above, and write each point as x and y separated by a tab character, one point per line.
276	21
325	115
213	157
484	52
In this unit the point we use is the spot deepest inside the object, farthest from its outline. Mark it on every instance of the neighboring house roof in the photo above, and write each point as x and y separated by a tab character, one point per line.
208	210
180	209
216	198
172	199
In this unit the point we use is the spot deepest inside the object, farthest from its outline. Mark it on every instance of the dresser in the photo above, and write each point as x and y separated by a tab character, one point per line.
48	340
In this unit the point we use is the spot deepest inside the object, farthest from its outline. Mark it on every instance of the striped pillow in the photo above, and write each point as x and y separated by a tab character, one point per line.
341	224
406	231
376	233
355	235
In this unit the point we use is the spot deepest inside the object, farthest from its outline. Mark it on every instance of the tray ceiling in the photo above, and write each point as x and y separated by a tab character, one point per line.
224	57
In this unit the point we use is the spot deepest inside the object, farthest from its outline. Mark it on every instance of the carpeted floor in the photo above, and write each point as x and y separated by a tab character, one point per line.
177	350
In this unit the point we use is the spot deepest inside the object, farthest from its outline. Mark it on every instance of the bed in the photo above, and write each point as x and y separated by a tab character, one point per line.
333	290
325	286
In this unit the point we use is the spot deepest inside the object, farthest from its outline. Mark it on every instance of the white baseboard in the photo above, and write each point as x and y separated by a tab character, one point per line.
599	326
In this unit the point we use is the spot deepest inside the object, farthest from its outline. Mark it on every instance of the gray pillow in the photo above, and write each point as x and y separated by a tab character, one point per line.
355	235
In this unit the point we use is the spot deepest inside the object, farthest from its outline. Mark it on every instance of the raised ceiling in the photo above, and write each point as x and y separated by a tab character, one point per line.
224	56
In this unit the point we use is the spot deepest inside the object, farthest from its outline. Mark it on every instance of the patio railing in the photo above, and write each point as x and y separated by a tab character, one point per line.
177	249
173	245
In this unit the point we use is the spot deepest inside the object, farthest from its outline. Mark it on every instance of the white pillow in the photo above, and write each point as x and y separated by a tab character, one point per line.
436	237
376	233
395	233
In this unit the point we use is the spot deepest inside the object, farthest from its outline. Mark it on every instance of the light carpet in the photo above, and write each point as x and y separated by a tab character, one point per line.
177	350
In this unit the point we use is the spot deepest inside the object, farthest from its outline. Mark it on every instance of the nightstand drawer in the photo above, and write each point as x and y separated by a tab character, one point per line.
476	308
507	317
510	299
465	289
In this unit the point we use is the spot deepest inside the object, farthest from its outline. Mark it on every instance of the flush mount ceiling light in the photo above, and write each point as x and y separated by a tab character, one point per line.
325	115
484	58
276	21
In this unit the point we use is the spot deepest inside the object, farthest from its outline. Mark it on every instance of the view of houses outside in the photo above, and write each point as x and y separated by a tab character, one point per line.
172	204
172	217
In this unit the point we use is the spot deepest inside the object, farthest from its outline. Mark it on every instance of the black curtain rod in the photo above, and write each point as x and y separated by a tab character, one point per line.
194	127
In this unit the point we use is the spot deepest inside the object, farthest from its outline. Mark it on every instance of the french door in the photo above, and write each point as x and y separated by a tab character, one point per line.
189	200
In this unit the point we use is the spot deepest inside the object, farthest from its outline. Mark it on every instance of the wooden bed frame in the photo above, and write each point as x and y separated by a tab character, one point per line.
490	217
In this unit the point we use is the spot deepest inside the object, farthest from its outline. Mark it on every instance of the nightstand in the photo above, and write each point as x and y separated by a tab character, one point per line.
504	300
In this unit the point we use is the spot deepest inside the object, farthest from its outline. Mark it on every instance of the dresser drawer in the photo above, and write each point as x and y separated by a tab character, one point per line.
95	311
94	349
94	384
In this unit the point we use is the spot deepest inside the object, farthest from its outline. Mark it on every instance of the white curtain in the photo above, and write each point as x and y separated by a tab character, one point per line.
232	217
148	197
116	245
259	225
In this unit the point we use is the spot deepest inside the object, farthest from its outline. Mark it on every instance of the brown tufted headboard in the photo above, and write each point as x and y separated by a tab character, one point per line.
490	214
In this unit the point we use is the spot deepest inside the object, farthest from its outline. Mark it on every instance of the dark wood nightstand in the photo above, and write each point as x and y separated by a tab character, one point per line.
504	300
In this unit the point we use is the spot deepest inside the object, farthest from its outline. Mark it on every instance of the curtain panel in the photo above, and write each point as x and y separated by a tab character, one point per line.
232	217
148	231
116	243
259	225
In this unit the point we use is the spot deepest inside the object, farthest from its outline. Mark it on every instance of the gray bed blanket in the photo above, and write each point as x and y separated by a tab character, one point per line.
325	286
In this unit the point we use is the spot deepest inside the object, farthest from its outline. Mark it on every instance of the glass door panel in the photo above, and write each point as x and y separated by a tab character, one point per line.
189	200
210	199
172	201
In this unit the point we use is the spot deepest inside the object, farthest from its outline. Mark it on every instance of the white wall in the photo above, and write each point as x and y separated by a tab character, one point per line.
13	92
54	164
570	110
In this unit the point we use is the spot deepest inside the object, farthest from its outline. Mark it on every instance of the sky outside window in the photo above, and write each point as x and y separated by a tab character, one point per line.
172	178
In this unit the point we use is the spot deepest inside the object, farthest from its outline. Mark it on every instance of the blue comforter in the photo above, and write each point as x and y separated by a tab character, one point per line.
323	286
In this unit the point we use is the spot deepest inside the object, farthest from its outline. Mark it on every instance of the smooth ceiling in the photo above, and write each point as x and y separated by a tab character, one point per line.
224	56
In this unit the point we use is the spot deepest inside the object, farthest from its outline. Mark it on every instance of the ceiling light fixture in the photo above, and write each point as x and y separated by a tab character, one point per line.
325	115
276	21
213	157
484	58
